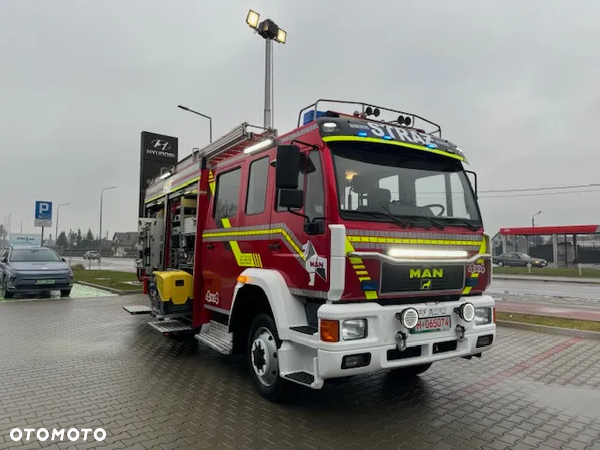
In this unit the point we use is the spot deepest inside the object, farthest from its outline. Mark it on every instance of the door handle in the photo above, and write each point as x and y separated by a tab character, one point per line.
275	246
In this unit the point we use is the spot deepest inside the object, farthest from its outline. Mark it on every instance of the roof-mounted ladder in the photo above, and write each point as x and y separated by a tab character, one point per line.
234	143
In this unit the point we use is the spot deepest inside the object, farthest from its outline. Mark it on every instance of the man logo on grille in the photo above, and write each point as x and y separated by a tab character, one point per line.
425	284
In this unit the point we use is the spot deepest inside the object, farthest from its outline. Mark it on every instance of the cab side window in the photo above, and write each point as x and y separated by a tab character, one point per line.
257	186
227	194
314	196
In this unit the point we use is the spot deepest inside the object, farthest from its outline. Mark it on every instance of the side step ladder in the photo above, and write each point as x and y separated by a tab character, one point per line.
167	327
216	336
137	309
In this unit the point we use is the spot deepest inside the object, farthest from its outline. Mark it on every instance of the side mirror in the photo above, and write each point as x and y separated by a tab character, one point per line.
288	167
291	198
3	259
63	259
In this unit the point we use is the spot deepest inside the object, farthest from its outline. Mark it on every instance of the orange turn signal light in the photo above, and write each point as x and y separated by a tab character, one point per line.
493	315
243	279
330	330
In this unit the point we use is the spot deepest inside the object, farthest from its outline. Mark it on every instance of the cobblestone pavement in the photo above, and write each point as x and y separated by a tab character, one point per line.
78	291
86	363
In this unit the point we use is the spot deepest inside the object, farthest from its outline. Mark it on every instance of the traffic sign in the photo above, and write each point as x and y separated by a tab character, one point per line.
43	214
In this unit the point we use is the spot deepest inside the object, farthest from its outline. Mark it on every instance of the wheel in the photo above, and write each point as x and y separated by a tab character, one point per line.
5	293
65	292
263	346
500	263
412	371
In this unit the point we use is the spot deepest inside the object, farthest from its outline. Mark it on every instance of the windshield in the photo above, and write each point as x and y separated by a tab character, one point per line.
33	255
404	182
524	255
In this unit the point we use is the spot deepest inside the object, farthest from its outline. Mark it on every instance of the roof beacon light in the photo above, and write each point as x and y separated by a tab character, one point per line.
258	146
426	253
362	133
165	175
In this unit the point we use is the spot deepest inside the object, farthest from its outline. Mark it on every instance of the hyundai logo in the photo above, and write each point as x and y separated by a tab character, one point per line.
163	145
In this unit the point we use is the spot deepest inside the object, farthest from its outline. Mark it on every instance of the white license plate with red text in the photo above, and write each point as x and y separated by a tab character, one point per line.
430	324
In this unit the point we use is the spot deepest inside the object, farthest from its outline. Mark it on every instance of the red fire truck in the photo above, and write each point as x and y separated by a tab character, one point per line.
352	244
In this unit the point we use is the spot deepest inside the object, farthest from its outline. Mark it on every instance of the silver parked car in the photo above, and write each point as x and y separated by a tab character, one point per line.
27	270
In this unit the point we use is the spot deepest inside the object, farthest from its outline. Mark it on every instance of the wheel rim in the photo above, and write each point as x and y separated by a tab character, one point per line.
263	356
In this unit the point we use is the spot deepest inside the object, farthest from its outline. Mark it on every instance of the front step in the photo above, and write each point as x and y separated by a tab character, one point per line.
170	326
137	309
301	377
217	337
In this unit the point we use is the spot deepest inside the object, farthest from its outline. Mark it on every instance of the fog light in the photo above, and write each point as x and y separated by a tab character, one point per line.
483	316
354	329
484	341
355	361
466	312
409	318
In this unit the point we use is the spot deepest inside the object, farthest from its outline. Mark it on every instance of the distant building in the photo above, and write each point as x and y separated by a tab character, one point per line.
124	244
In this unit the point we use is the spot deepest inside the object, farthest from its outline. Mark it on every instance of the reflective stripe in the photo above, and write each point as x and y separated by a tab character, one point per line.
399	144
359	269
243	259
475	275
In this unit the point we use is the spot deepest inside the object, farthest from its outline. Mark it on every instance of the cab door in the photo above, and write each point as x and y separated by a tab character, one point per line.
298	250
220	267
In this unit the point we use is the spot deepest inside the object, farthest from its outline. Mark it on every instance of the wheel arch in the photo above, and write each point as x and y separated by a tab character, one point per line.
265	290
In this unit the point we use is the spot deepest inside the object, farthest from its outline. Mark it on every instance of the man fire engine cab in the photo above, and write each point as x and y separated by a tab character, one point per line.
352	244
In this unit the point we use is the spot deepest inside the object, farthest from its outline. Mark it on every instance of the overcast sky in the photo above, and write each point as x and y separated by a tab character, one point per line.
513	83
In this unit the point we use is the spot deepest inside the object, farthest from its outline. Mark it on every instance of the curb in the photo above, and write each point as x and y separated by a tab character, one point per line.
548	279
109	289
550	330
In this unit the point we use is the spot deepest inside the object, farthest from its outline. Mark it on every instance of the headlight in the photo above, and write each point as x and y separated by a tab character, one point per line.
466	312
483	316
354	329
409	318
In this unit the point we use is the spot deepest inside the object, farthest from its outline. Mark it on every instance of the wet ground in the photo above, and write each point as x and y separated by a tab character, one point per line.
78	291
86	363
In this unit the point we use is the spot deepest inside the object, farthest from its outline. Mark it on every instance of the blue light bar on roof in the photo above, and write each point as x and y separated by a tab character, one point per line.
309	116
361	133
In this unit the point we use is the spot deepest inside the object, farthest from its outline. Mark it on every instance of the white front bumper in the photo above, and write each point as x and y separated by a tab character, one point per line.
383	327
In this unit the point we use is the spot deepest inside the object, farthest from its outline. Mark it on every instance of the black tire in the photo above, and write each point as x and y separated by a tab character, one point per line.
412	371
270	385
65	292
5	293
500	263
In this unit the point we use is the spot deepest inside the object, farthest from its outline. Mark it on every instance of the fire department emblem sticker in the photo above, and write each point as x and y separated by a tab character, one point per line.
313	263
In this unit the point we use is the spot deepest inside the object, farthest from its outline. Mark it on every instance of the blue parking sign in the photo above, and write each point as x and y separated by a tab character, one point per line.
43	214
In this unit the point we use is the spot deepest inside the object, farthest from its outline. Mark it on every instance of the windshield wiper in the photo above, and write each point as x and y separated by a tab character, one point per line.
436	223
465	222
384	214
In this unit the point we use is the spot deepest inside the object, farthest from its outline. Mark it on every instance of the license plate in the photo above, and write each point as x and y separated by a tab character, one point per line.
432	324
44	282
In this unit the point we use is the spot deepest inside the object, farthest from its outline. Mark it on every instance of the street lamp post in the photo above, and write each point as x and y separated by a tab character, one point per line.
185	108
533	217
100	235
270	32
57	213
22	223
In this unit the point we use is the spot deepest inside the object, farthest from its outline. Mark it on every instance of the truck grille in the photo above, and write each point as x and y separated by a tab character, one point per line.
422	279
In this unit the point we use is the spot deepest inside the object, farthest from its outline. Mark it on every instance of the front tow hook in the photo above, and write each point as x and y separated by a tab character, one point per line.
401	341
460	333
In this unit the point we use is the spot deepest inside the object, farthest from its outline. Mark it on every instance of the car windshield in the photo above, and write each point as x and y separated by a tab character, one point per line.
524	255
406	183
33	255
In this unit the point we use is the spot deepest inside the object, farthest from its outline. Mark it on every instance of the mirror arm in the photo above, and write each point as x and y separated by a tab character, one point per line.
306	219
